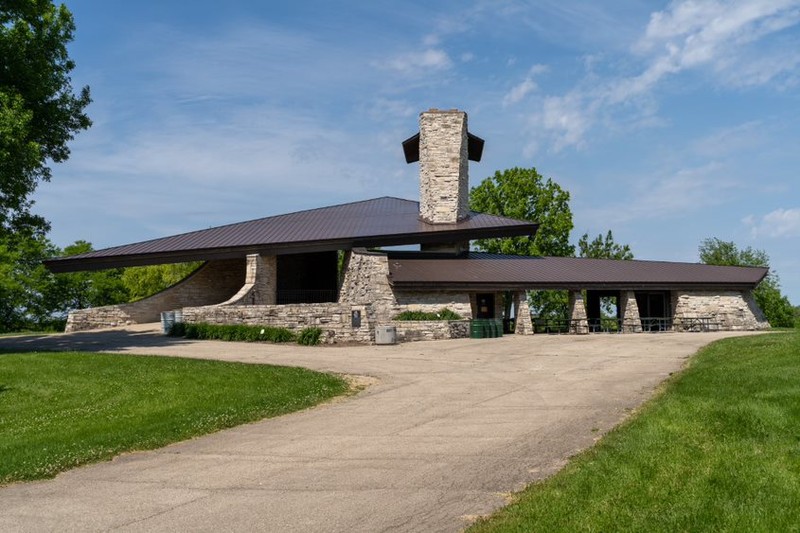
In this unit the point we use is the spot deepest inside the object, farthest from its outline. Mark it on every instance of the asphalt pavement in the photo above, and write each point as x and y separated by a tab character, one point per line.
444	432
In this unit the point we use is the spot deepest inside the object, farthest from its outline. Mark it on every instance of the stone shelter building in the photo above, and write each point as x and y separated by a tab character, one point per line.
326	267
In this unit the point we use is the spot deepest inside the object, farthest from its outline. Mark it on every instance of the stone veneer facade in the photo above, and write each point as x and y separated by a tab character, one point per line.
443	166
730	310
629	311
213	282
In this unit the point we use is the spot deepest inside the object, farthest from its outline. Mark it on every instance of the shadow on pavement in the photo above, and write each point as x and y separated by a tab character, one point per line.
90	341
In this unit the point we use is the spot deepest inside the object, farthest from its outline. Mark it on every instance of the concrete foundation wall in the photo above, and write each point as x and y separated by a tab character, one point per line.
214	282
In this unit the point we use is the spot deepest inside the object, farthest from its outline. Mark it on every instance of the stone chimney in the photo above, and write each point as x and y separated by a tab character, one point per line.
443	166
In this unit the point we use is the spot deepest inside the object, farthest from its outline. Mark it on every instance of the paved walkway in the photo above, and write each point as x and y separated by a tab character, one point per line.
448	430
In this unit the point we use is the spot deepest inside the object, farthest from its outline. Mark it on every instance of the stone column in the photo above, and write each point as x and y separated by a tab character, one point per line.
443	166
629	312
261	275
577	312
522	310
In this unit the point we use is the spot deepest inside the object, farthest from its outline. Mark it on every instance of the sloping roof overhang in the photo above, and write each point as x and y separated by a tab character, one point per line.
379	222
486	272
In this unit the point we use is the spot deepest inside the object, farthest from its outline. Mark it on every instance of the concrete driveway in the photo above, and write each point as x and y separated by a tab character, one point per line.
447	431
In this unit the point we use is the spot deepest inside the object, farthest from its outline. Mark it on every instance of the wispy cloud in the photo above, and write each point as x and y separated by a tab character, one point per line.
780	223
525	87
669	196
724	39
420	62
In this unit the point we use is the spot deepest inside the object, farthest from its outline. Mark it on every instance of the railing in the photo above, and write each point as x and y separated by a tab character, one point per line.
698	323
616	325
656	323
605	325
558	326
305	296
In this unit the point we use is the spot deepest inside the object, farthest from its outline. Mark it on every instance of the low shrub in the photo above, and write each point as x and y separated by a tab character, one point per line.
227	332
309	336
443	314
242	333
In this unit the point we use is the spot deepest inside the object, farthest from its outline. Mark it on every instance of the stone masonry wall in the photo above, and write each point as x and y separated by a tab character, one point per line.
443	166
732	310
334	319
434	301
430	330
260	283
523	324
629	311
366	282
212	283
366	279
577	313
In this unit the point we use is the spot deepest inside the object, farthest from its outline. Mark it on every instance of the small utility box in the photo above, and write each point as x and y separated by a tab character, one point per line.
385	335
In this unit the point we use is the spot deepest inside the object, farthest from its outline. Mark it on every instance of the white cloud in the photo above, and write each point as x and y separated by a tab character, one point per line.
780	223
519	91
431	59
732	41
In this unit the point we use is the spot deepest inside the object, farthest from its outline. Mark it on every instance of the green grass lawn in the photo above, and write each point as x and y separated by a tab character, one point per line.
717	450
61	410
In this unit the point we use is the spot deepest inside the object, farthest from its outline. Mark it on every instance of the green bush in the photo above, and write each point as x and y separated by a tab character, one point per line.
443	314
232	332
309	336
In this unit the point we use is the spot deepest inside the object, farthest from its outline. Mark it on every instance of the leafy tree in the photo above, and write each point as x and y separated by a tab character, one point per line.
141	282
776	307
31	297
24	281
39	113
603	248
522	193
79	290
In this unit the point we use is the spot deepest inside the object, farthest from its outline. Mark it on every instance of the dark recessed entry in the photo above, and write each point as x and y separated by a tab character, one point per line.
485	304
307	278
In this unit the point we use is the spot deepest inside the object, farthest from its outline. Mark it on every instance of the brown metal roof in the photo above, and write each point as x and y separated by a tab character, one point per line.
382	221
505	272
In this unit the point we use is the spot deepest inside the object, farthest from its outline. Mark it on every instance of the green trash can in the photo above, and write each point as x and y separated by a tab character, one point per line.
476	330
498	324
492	325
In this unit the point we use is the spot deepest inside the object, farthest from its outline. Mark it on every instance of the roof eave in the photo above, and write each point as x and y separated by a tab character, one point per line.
78	263
497	286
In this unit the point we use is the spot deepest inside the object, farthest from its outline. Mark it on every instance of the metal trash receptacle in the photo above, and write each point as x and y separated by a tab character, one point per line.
167	321
477	329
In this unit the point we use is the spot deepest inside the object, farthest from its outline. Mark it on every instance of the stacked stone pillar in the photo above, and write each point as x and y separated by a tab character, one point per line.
523	325
577	313
260	283
629	312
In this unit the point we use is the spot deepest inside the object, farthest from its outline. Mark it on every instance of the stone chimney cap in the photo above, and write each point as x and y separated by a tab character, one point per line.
474	147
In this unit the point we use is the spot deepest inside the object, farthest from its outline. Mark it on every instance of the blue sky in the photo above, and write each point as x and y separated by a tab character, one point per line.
668	122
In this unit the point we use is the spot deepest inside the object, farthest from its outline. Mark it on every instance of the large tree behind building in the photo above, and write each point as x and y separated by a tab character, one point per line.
776	307
603	248
39	112
522	193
